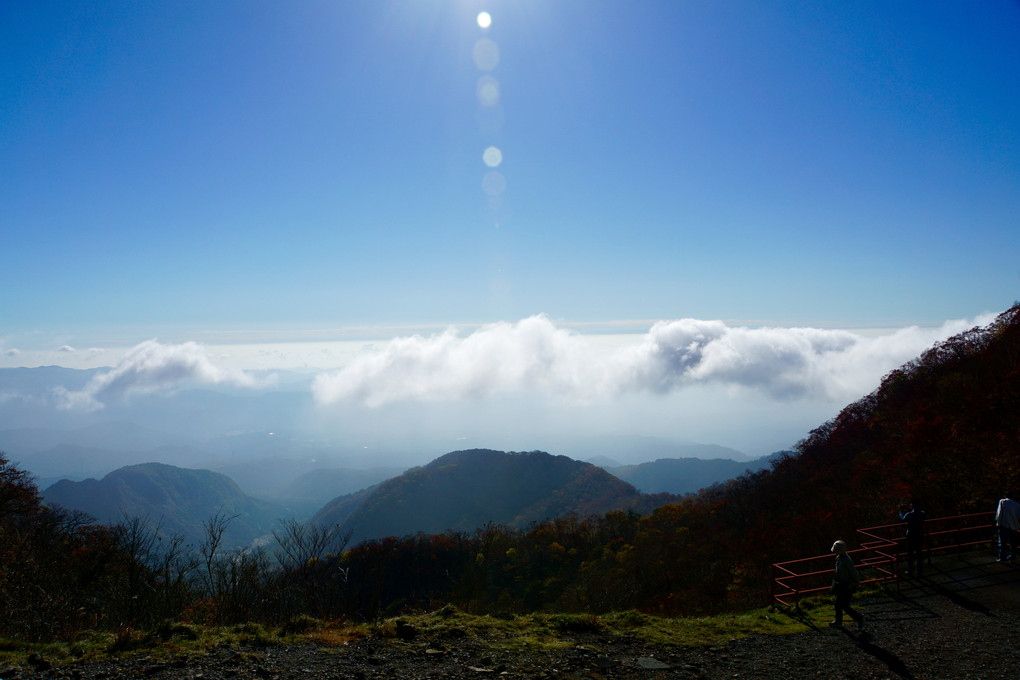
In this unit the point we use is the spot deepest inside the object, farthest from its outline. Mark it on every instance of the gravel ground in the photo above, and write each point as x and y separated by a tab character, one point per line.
959	621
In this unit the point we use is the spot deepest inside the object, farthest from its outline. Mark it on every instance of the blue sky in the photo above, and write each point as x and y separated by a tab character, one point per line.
277	171
176	167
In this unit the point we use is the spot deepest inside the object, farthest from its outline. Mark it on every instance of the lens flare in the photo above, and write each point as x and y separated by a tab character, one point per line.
490	120
488	91
486	55
492	157
493	184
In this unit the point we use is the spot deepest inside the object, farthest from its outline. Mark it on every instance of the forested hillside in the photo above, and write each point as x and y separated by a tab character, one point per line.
465	490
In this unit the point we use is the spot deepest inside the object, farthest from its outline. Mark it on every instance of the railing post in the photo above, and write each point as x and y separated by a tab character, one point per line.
772	586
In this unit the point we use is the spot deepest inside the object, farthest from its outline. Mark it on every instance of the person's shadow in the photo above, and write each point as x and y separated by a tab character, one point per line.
865	644
959	600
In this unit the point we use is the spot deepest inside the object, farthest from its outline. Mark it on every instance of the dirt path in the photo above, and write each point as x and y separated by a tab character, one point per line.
961	620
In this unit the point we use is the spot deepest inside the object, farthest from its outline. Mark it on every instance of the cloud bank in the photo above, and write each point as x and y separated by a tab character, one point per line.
152	367
534	356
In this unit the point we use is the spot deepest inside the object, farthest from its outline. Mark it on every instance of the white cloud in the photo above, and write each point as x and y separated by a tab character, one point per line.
533	356
13	353
783	362
152	367
67	349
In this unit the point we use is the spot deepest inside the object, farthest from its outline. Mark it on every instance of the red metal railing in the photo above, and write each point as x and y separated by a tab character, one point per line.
879	554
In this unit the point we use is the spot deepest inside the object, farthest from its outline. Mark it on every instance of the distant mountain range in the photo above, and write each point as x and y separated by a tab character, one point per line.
177	500
616	451
165	459
271	466
464	490
304	475
684	475
460	491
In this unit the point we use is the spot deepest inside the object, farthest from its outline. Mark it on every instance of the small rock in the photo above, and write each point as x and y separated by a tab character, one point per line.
38	662
406	631
651	664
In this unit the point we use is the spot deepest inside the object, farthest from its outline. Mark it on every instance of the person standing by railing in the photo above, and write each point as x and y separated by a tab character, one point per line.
845	582
914	543
1007	521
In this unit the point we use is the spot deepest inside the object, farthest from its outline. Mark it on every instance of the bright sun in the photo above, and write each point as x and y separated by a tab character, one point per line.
484	19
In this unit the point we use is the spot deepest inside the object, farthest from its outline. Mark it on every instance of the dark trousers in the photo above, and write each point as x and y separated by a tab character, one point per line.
843	605
915	552
1007	543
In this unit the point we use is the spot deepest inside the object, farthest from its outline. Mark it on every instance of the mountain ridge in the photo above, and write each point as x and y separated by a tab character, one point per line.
684	475
179	500
464	490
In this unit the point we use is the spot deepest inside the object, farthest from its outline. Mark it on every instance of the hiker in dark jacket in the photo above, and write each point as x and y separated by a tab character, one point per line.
914	543
844	584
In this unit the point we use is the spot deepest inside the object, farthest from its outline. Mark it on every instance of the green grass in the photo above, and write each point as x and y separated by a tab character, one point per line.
554	631
538	631
166	640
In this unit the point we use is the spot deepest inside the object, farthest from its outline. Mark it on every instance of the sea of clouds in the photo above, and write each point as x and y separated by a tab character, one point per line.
534	356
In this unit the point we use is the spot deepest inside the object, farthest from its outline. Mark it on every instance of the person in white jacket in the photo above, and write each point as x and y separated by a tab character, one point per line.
1007	521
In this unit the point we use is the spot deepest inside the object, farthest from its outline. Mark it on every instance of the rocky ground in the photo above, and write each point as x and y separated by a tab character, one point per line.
959	621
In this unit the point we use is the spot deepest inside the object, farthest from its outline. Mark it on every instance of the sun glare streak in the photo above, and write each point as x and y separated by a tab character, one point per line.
486	58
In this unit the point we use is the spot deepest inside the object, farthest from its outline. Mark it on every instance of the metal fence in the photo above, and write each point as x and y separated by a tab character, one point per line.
880	553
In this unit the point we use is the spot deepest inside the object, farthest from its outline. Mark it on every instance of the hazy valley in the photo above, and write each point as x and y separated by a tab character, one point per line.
460	491
175	459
